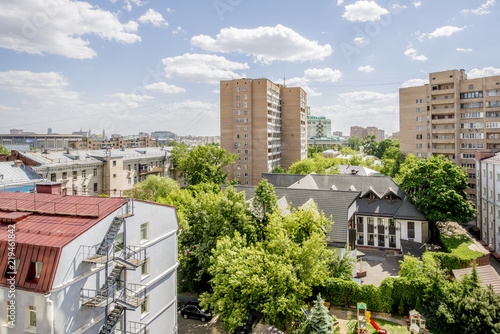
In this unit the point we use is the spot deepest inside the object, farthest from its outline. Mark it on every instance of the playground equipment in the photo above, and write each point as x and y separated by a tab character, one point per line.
364	318
416	322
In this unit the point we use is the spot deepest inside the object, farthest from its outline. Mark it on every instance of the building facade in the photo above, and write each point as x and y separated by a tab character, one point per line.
488	200
265	124
19	140
451	116
115	142
318	126
99	171
360	132
87	265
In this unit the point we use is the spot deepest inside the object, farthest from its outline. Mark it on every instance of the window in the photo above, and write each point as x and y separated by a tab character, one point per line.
419	128
238	136
237	97
145	268
237	105
419	119
75	175
246	135
238	112
245	112
53	177
419	109
419	101
95	185
30	317
245	89
419	136
114	163
411	230
145	306
144	231
84	173
471	86
246	174
245	104
129	181
246	120
245	97
419	145
237	89
238	120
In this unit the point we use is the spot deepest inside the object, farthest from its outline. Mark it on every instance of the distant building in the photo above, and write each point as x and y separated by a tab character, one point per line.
116	142
85	263
97	172
265	124
337	133
198	140
318	126
84	134
358	131
20	140
394	136
163	137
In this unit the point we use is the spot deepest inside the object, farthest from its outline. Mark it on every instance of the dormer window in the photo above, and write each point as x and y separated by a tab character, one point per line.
34	271
390	198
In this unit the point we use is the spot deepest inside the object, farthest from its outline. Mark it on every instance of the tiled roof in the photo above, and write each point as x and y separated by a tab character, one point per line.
487	276
45	224
334	204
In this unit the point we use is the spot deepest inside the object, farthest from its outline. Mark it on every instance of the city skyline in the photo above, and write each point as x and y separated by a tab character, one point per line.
129	66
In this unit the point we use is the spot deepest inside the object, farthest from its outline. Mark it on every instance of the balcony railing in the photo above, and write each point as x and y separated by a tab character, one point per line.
133	328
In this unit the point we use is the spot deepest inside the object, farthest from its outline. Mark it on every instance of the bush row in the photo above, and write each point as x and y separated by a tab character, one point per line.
396	295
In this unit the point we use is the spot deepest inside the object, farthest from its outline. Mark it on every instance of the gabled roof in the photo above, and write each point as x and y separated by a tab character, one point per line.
12	175
368	191
44	224
307	182
334	204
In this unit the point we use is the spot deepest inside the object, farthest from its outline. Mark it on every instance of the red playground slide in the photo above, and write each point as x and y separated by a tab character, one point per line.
380	330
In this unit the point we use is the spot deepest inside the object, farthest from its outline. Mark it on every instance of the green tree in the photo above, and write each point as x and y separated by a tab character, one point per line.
153	187
202	164
392	161
320	321
370	145
437	187
342	266
273	276
4	150
411	267
384	145
264	203
354	142
278	170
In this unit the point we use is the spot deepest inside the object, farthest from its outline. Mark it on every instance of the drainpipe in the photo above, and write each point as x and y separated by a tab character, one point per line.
51	303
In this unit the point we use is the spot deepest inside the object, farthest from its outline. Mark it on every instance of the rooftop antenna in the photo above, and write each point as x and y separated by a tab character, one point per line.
284	80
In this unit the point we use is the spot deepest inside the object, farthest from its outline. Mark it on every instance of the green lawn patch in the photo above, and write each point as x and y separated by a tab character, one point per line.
390	327
458	245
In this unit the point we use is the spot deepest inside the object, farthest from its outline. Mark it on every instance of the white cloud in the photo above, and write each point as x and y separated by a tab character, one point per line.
361	41
153	17
417	3
202	68
398	6
368	108
128	4
162	87
481	10
58	28
340	2
130	97
464	50
445	31
266	44
414	83
216	91
170	10
484	72
366	69
177	30
131	26
364	11
413	54
48	87
322	74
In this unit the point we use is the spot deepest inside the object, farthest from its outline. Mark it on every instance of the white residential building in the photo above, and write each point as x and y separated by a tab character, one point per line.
87	264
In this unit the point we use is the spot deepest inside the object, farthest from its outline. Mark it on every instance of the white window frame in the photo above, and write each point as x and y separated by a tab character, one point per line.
146	227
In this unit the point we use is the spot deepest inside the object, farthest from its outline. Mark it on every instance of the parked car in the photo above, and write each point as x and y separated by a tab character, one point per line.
193	310
250	321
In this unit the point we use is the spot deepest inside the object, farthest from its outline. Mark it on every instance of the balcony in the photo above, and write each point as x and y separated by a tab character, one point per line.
133	328
443	151
144	170
129	298
130	257
443	121
443	141
442	91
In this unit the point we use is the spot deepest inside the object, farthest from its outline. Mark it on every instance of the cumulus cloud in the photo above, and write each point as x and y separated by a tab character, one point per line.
445	31
177	30
367	107
481	10
162	87
417	4
131	26
128	4
361	41
266	44
202	68
414	83
484	72
153	17
130	97
366	69
170	10
58	27
464	50
322	74
45	86
413	54
364	11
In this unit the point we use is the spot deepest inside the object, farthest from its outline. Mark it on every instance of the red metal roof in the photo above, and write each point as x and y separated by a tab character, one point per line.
45	223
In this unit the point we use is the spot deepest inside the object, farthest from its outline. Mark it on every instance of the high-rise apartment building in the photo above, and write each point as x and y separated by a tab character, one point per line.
264	123
453	116
360	132
318	126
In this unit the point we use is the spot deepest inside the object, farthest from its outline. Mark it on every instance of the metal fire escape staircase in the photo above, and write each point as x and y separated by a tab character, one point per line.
115	296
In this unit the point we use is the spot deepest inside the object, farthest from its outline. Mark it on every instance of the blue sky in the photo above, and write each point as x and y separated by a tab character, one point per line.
134	65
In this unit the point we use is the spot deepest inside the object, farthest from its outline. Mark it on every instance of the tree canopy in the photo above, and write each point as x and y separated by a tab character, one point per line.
4	150
202	164
154	187
437	187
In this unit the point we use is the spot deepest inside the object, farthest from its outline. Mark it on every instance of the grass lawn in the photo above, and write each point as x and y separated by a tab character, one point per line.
459	245
390	327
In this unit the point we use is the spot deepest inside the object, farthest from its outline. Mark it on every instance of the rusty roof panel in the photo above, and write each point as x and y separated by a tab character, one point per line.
46	224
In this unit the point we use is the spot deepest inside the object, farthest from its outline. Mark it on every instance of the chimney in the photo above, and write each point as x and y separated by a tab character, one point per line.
49	188
18	163
68	151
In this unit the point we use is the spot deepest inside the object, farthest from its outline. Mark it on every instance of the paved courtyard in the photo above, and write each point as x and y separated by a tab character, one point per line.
378	265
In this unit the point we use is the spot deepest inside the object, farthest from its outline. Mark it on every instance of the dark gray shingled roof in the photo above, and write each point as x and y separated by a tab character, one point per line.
334	204
381	185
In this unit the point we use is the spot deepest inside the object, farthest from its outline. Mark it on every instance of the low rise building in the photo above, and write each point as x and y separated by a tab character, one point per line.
95	172
115	142
86	264
16	176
